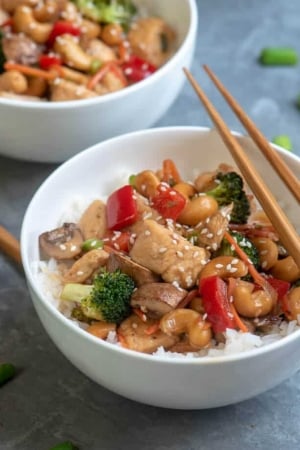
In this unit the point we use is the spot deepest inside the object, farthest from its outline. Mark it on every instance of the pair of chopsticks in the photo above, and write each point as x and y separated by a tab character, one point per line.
280	221
10	245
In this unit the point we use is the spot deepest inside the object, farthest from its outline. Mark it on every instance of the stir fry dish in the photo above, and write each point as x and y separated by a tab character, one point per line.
166	263
60	50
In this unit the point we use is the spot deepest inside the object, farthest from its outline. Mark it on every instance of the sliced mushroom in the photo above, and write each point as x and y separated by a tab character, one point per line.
140	274
157	299
135	334
62	243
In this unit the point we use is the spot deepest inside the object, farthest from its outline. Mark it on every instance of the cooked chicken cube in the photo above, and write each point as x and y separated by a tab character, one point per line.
152	39
86	266
62	90
21	49
211	232
168	254
135	334
93	222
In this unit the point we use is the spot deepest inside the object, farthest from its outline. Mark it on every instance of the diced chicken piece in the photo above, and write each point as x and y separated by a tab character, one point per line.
157	299
86	266
152	39
168	254
112	82
145	212
140	274
98	50
93	223
211	232
21	49
63	90
134	333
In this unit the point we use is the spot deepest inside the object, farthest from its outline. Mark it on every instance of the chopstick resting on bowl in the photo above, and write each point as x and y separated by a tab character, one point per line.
287	176
285	229
10	245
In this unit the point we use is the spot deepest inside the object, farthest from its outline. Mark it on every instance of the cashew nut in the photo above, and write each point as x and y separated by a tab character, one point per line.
251	304
25	22
146	183
89	29
47	11
185	189
191	323
224	267
13	81
268	252
198	209
286	269
112	34
72	54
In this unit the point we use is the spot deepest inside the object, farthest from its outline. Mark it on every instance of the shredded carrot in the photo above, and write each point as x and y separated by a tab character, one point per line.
108	66
170	172
257	277
187	299
123	52
152	329
31	71
239	323
140	314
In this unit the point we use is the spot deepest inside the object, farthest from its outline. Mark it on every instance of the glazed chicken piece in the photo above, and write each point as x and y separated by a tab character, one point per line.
211	232
98	50
134	334
168	254
157	299
93	222
152	39
62	90
20	49
86	266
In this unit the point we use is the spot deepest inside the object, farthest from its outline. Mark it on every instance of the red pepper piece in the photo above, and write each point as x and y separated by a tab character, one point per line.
137	69
48	61
213	291
281	287
119	240
62	27
168	202
121	208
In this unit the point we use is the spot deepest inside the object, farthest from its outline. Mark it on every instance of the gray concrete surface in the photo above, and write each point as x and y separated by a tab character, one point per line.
50	401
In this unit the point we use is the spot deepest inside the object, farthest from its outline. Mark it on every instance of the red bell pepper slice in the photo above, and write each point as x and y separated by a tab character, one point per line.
168	202
281	287
213	291
121	208
62	27
48	61
119	240
137	69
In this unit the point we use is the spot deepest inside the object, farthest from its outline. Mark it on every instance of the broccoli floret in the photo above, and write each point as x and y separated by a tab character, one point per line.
2	55
107	299
230	190
246	245
107	11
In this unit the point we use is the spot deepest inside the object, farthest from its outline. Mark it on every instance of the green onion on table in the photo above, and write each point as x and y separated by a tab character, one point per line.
67	445
278	56
7	372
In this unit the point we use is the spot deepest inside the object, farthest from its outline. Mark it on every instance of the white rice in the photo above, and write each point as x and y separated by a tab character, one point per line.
49	280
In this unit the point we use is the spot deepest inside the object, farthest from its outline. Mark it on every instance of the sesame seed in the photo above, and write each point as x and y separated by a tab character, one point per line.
219	266
264	264
235	261
219	232
195	254
162	250
179	254
117	247
79	272
181	269
209	235
233	269
62	247
147	215
147	233
73	248
204	317
204	231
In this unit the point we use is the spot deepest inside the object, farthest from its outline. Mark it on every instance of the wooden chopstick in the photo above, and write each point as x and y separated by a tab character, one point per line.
287	176
10	245
285	230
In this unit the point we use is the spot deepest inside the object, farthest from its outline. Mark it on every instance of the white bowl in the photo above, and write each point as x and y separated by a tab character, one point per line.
174	383
53	132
